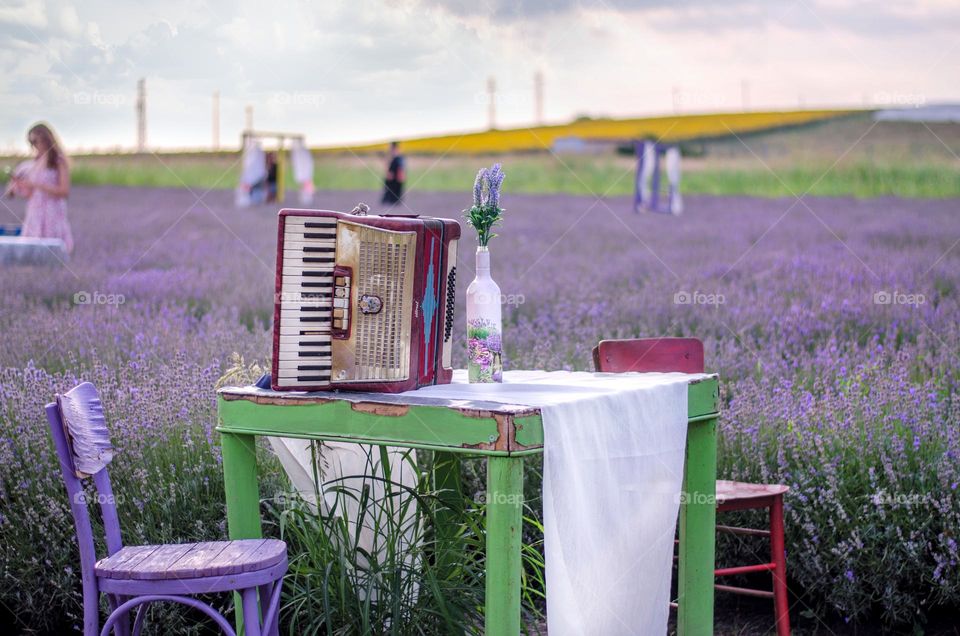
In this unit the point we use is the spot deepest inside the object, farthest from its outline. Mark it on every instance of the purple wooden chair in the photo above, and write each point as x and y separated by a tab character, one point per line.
135	576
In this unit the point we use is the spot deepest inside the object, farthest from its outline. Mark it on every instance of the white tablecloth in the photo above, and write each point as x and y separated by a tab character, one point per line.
613	469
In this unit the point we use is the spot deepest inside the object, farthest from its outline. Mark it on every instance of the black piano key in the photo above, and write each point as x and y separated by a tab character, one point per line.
314	367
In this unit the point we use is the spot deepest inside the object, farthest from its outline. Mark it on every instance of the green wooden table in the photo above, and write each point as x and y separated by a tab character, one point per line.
504	434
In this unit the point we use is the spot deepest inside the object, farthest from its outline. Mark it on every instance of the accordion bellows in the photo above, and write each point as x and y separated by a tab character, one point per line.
363	302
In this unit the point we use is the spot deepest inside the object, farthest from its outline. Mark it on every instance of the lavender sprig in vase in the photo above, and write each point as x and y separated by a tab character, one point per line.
484	325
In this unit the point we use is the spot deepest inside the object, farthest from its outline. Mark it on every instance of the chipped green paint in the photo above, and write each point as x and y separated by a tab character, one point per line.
421	426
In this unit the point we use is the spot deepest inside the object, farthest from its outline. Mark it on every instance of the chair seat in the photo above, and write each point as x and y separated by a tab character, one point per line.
191	560
730	491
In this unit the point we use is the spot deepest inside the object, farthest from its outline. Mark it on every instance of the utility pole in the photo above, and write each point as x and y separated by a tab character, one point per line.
141	115
216	120
491	102
249	116
538	98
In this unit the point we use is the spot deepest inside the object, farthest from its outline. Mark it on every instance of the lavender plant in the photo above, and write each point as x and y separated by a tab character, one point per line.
486	211
833	384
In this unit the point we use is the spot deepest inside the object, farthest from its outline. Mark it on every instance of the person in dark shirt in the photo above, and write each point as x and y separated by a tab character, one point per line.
271	176
396	175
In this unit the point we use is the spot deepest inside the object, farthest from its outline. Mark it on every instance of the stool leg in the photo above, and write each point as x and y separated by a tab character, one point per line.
266	593
251	612
779	559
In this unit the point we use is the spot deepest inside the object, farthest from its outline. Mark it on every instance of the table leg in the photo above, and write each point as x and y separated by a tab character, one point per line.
504	537
242	495
449	514
698	517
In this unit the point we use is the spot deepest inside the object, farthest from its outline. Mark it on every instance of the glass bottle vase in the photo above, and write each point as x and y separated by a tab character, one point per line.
484	340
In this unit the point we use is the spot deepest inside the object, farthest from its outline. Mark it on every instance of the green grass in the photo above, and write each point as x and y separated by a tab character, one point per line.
568	175
851	156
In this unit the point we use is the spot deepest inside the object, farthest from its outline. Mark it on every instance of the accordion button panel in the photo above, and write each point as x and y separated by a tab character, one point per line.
306	302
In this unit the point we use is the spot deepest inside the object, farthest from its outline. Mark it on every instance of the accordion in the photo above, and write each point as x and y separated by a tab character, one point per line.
363	302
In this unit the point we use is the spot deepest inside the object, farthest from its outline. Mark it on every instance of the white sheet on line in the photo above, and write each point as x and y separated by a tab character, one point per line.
613	469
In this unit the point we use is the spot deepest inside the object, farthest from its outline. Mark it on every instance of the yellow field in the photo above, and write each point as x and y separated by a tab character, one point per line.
670	128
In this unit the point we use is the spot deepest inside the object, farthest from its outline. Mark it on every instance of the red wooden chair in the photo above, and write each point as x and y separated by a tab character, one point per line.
132	577
685	355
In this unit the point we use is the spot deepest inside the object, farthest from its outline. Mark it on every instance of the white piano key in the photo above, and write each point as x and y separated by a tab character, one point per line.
295	339
300	281
292	327
306	326
308	303
293	376
296	269
296	256
300	363
298	242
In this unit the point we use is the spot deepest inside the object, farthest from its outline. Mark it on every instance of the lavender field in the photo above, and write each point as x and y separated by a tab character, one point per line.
834	325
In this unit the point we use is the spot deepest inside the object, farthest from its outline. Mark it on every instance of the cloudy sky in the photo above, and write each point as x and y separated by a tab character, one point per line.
357	70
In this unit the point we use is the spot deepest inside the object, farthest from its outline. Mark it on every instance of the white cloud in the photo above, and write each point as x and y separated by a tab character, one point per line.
347	71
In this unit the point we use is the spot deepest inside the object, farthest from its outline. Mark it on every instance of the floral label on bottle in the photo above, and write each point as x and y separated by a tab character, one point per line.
483	351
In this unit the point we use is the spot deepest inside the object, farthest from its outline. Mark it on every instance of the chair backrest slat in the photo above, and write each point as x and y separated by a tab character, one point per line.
664	355
86	429
83	445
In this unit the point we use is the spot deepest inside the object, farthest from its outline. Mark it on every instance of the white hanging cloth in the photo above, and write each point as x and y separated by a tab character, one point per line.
253	170
673	177
648	160
302	161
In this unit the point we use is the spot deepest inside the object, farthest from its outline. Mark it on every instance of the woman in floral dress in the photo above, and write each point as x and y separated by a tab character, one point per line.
45	184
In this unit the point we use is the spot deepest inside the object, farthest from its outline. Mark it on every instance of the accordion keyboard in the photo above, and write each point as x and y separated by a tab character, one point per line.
306	301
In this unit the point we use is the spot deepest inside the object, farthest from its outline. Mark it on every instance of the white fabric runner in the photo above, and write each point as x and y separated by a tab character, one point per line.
613	469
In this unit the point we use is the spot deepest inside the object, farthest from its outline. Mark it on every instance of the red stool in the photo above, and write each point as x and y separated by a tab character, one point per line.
685	355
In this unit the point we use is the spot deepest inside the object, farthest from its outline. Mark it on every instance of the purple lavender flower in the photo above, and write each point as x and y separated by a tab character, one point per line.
494	181
478	185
